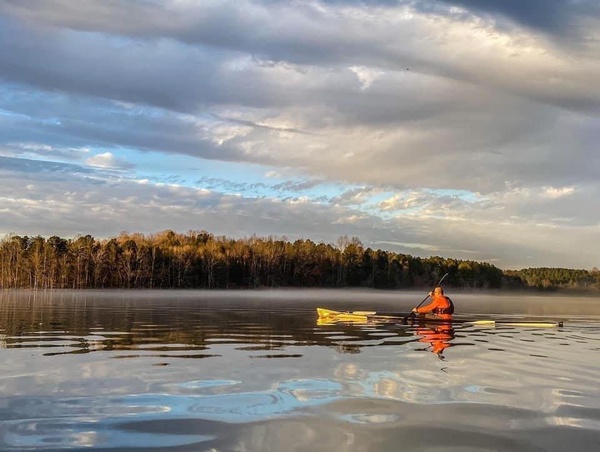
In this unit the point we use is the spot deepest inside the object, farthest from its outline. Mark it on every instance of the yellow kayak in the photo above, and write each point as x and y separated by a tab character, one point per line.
329	316
354	316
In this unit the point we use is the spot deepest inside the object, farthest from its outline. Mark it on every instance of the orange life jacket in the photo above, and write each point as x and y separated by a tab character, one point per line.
445	310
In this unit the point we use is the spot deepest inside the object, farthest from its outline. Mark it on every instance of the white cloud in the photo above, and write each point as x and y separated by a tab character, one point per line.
107	160
404	201
366	75
554	193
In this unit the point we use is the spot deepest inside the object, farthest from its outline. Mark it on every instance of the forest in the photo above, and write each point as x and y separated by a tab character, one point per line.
200	260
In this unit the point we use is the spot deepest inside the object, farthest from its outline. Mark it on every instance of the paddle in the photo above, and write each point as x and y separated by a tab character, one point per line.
424	300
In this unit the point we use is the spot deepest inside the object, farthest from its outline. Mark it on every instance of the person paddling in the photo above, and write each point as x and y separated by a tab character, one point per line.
440	306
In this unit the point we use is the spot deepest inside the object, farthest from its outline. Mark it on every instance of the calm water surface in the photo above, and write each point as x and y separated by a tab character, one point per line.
253	371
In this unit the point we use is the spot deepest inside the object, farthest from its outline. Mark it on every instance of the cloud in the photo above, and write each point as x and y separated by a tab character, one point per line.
355	196
366	75
556	16
107	160
405	201
553	193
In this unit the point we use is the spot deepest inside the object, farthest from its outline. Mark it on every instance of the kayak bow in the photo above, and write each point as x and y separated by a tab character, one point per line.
356	316
524	323
329	316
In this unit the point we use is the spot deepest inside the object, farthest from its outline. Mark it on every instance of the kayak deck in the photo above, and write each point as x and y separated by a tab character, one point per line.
329	316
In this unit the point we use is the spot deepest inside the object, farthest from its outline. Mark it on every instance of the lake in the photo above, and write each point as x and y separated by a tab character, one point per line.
254	371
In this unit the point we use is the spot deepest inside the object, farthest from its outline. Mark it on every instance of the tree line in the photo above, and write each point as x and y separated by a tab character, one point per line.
198	259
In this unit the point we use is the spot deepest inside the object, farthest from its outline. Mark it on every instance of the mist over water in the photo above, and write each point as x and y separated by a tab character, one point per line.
252	370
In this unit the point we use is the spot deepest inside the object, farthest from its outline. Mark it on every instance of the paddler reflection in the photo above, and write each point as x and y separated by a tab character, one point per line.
437	335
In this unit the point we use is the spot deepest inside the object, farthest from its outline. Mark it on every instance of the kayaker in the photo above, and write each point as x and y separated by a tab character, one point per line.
441	306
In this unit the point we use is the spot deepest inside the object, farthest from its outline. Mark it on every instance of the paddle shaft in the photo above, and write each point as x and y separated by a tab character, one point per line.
425	299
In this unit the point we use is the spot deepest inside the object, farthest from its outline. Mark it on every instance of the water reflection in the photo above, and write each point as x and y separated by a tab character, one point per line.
174	328
141	324
438	335
185	328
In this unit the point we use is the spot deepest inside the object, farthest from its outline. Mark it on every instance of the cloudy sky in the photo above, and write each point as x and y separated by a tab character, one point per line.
459	128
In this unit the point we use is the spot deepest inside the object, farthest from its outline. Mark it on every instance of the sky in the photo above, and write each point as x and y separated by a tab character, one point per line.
466	129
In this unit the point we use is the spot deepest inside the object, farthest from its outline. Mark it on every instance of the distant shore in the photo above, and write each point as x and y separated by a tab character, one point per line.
201	260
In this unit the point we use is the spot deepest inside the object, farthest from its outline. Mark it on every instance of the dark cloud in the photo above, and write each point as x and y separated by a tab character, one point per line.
29	166
289	186
297	186
128	71
77	122
551	16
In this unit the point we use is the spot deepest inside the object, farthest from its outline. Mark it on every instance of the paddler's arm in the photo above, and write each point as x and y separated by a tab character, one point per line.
425	309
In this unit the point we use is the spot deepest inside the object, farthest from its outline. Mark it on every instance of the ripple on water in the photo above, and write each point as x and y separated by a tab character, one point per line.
85	433
86	421
203	385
